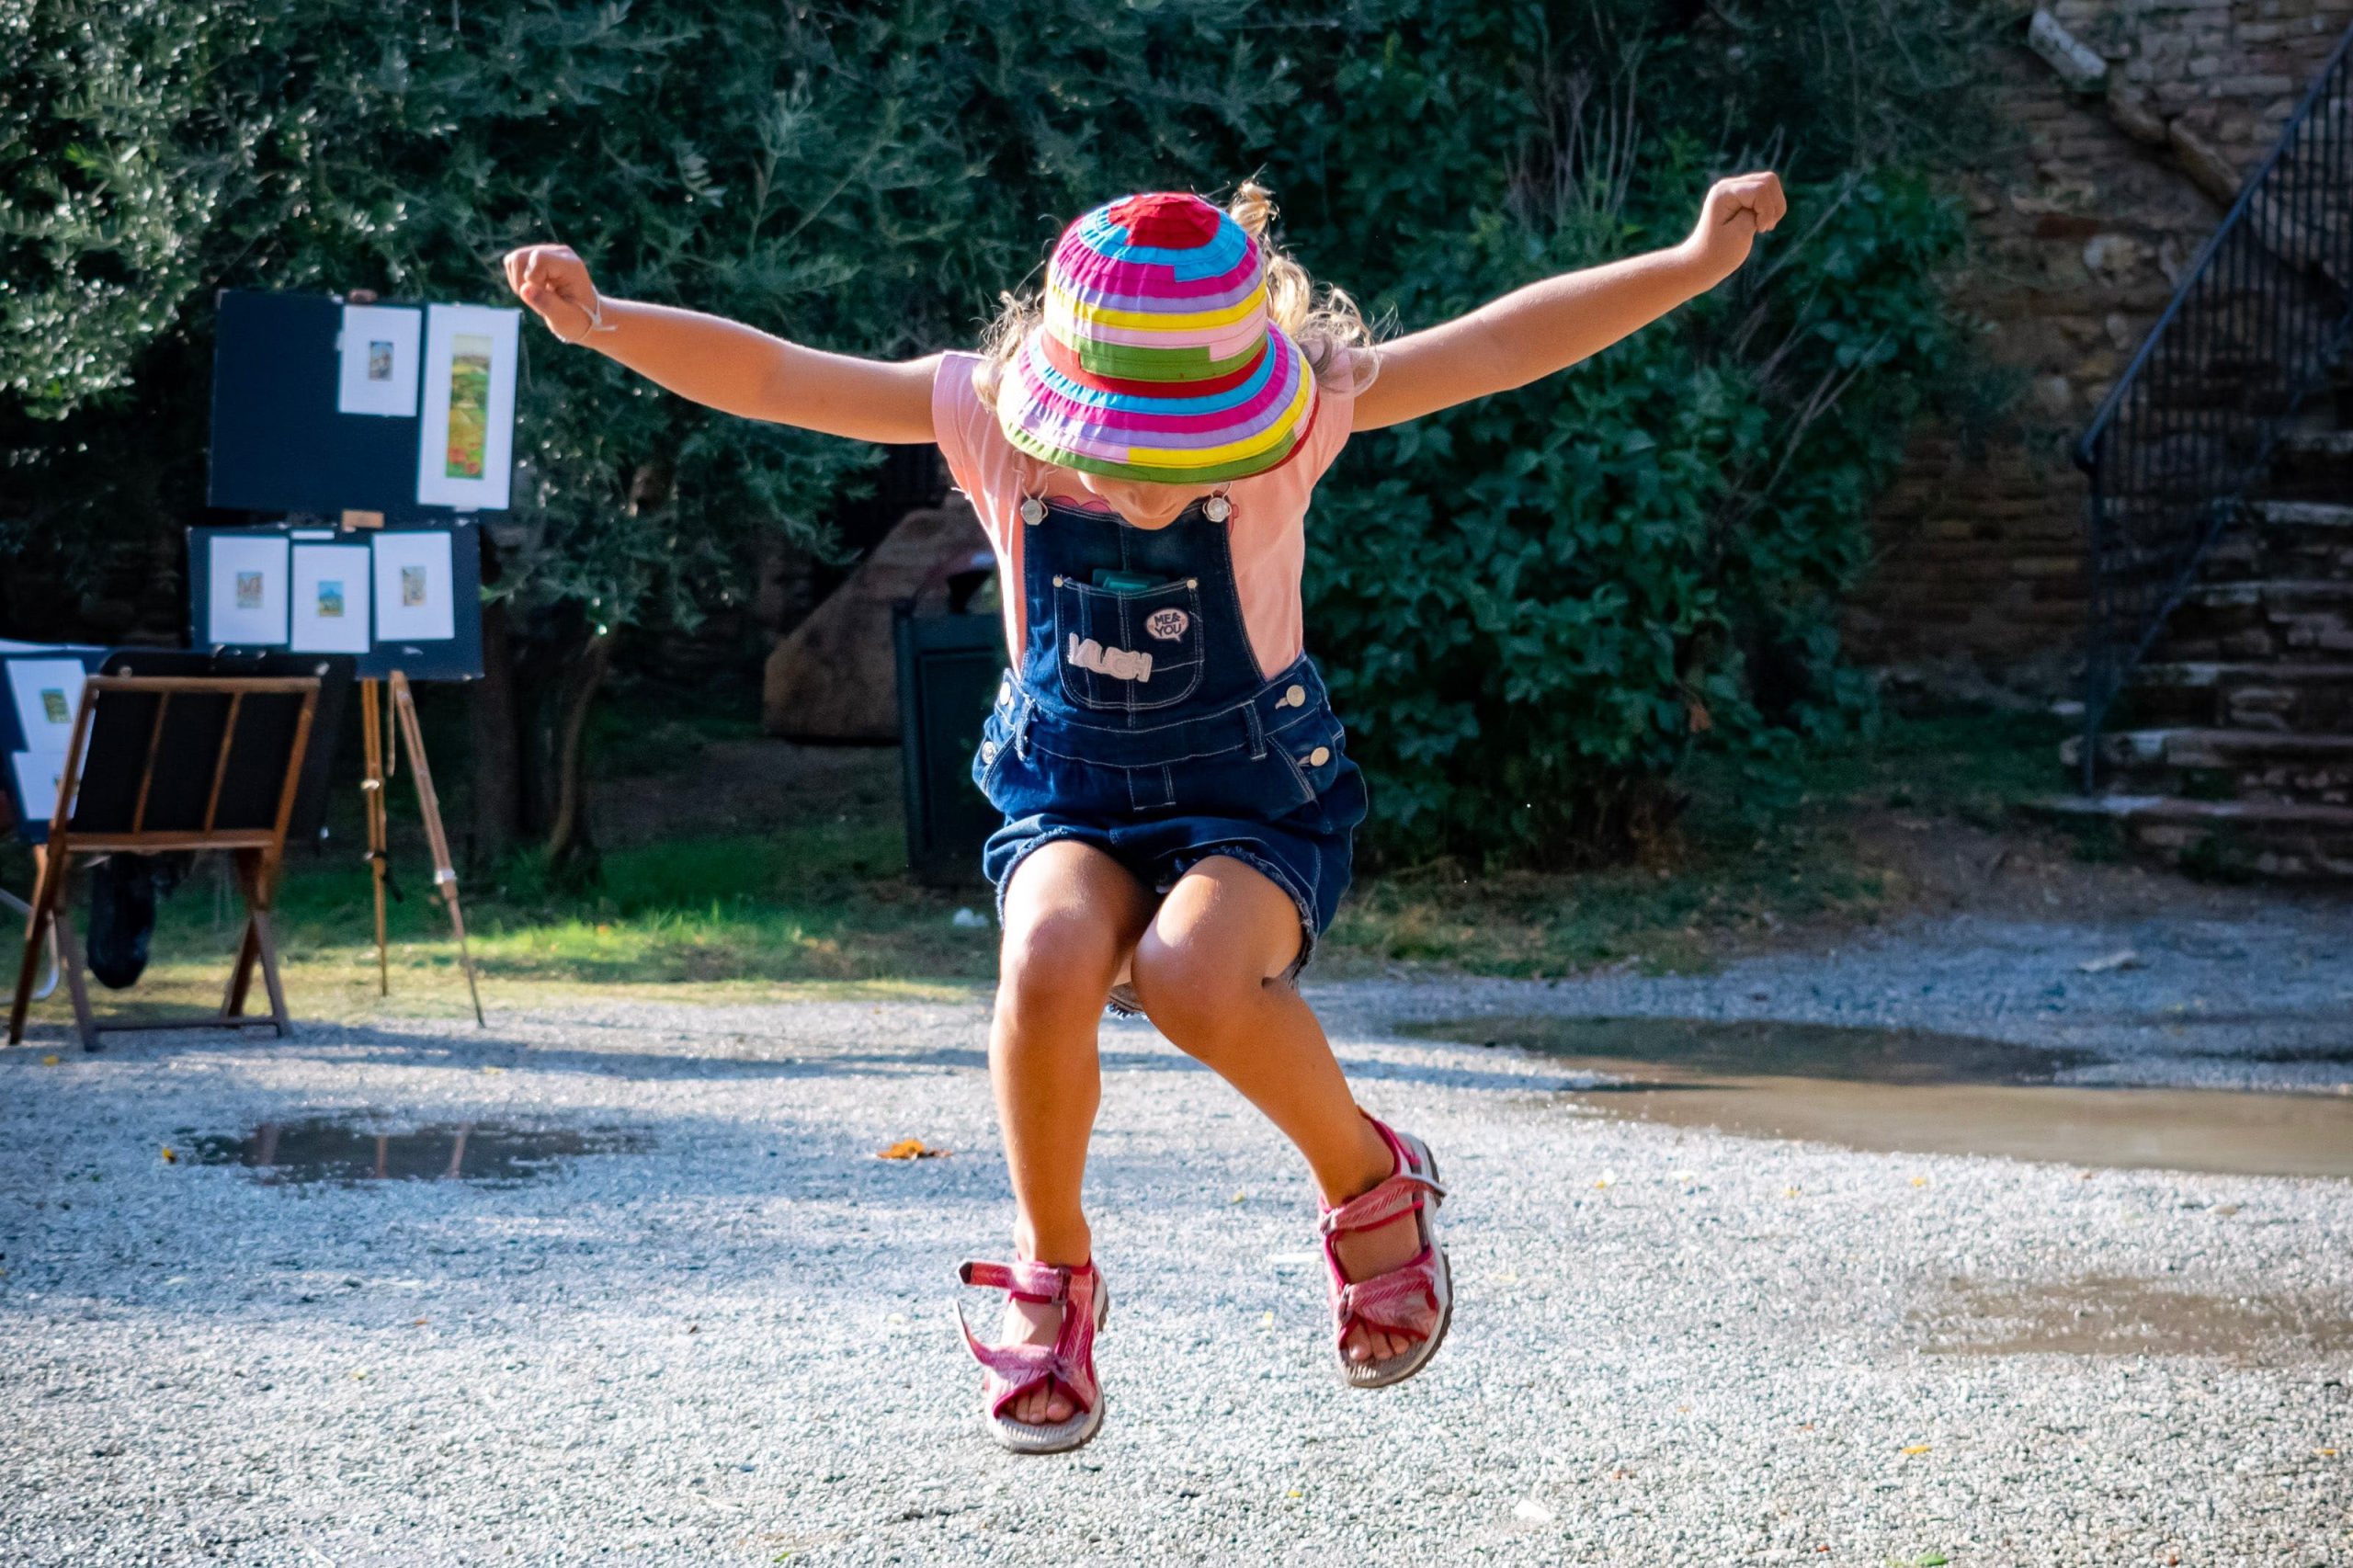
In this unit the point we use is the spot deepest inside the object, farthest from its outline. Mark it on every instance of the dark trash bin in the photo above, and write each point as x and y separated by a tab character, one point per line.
949	669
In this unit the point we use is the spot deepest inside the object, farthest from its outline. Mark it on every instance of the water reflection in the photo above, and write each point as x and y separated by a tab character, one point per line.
1911	1091
348	1150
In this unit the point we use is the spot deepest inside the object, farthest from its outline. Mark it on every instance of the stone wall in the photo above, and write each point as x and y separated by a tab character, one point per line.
2080	235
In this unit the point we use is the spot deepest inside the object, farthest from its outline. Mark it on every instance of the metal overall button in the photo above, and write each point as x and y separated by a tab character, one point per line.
1315	767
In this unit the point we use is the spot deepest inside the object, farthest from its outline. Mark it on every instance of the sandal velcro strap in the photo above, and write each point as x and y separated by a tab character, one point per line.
1400	1194
1404	1301
1011	1370
1024	1281
1015	1370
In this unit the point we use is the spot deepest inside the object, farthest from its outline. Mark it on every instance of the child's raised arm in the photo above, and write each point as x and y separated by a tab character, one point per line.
1548	326
728	366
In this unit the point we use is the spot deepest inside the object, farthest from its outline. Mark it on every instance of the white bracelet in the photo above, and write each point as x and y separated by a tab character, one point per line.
597	321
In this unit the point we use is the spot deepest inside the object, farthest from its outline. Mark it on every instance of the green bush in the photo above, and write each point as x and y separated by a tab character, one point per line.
1533	606
1542	602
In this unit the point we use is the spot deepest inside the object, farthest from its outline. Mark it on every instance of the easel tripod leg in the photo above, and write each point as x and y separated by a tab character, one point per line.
77	980
241	974
256	875
370	725
445	875
36	922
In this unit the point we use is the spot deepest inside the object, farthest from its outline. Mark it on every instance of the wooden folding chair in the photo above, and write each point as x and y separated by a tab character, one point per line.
165	763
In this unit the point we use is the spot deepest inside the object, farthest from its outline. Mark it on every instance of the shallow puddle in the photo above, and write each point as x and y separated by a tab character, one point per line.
342	1150
2107	1316
1908	1091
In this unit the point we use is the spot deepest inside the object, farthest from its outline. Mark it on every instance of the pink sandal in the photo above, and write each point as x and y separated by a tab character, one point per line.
1415	1300
1011	1371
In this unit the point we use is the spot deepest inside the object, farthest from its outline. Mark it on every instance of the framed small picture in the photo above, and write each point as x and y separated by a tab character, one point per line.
245	591
415	597
42	692
379	360
329	617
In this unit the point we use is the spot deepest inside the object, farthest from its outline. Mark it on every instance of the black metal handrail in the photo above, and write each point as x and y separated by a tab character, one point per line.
2261	314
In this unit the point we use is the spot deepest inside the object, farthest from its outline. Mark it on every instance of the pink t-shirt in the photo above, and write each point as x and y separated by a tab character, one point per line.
1266	535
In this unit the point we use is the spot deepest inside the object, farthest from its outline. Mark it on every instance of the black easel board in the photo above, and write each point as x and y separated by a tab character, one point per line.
458	657
279	444
281	440
192	731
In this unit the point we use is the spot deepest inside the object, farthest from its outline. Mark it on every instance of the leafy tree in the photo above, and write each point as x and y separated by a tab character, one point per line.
1542	601
861	176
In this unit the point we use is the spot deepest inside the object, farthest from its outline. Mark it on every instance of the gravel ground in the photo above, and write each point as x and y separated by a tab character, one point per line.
731	1346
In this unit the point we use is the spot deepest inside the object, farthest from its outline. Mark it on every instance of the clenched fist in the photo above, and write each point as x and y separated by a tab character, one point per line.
1736	212
553	281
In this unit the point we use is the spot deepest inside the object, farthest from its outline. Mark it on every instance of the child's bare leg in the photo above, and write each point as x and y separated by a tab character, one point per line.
1071	916
1201	971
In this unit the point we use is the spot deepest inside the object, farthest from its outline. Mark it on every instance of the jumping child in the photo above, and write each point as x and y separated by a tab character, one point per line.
1141	446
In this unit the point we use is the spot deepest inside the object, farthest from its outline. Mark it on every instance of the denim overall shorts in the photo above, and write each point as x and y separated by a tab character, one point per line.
1139	721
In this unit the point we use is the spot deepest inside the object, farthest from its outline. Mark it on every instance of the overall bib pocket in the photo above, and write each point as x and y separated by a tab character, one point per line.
1127	652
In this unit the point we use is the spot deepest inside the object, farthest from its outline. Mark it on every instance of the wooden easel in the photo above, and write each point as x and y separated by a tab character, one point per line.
256	842
380	762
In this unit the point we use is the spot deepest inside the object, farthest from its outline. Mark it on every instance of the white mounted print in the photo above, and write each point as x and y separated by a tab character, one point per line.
46	692
413	583
329	597
466	449
245	596
378	361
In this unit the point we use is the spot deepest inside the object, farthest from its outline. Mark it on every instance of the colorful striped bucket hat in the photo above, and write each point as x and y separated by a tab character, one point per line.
1155	359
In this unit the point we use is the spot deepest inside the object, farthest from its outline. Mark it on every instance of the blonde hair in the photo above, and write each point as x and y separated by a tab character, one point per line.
1325	324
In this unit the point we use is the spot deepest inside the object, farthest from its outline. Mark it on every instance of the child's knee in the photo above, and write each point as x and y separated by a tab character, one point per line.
1058	951
1190	990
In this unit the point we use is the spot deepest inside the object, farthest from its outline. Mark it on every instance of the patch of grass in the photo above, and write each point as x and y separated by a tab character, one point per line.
1668	918
1749	858
812	901
821	904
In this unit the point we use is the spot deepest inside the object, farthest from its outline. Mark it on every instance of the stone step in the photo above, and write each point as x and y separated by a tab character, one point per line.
2260	618
2313	462
2285	541
2325	519
2326	442
2228	837
2302	696
2224	764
